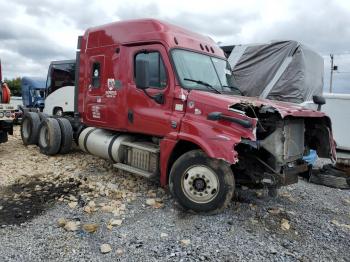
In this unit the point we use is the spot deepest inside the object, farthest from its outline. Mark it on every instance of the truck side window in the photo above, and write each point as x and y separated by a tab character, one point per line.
158	77
96	75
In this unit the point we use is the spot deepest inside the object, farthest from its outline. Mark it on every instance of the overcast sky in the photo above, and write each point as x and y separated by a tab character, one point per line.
35	32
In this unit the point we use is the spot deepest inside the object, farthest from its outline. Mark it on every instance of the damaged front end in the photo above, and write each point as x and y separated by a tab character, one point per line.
283	137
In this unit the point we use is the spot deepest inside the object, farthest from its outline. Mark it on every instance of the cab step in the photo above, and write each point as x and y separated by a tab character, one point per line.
134	170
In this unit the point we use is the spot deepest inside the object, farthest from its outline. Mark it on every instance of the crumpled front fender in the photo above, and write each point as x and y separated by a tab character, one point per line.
217	140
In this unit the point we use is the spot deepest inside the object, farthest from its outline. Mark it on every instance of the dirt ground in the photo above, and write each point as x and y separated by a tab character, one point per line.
76	207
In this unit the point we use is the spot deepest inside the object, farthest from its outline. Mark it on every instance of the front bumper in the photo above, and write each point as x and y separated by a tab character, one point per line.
287	176
290	174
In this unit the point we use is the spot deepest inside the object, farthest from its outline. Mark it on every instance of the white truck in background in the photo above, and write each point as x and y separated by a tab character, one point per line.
7	111
59	90
61	102
337	107
59	95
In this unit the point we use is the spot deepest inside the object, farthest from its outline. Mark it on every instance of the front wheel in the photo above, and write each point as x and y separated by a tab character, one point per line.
200	183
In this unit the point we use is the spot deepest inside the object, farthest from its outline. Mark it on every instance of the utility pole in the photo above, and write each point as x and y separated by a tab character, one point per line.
331	78
333	68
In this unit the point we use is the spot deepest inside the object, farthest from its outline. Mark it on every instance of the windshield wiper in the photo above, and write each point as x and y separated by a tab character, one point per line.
203	83
235	88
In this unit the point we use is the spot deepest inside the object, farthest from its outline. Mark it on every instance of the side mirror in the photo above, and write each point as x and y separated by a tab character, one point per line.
319	101
142	74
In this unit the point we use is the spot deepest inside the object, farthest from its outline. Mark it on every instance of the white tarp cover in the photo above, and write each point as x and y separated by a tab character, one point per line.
283	70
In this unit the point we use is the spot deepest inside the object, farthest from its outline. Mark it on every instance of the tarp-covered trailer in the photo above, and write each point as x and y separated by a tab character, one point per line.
282	70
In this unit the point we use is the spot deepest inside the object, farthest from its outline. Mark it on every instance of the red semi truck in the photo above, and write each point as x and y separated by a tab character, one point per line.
159	102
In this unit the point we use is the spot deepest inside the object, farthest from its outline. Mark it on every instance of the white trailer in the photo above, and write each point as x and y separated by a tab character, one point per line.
337	107
60	102
60	86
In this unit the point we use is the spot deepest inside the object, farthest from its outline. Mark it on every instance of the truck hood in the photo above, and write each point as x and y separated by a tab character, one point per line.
229	102
238	109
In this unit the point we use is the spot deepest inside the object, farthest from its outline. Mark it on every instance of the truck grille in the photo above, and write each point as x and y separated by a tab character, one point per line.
286	143
294	139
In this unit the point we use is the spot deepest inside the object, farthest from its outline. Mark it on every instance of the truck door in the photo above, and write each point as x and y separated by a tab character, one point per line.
145	115
96	109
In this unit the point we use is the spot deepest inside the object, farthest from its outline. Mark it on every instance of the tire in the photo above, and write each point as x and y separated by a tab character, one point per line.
331	180
25	110
201	184
58	111
77	133
66	135
42	116
49	137
3	137
30	128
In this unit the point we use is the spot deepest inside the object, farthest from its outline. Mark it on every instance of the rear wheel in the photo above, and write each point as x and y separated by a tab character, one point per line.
49	137
66	134
30	128
42	116
200	183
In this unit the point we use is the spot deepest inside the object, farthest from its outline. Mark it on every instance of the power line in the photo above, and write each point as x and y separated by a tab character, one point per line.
338	54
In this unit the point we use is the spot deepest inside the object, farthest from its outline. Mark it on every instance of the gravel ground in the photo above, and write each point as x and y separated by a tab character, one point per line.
47	202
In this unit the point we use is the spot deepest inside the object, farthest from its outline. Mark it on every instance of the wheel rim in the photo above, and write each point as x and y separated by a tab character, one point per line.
200	184
59	112
26	128
44	137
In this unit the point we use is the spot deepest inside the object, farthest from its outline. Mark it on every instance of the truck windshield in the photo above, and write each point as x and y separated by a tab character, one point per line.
194	69
60	75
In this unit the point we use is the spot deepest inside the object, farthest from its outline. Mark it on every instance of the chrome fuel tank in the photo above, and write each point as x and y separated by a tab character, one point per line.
103	143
